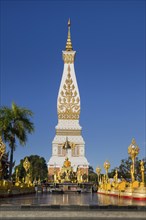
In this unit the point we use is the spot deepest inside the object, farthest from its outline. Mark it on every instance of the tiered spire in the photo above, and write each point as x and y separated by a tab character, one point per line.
69	43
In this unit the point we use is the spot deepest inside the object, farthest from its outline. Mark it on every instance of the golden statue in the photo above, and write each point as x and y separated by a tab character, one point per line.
64	173
26	165
17	182
115	182
116	176
67	163
2	152
59	176
133	151
79	176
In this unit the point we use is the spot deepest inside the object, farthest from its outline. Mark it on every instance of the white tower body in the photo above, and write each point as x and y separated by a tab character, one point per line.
68	127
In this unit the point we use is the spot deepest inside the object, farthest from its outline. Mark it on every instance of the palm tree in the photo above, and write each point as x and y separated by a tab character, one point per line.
15	125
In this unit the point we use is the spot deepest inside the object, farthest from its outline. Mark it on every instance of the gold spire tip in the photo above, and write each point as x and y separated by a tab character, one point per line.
69	43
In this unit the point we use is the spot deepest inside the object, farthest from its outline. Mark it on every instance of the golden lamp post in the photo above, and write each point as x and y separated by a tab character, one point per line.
133	151
106	167
2	151
98	171
142	172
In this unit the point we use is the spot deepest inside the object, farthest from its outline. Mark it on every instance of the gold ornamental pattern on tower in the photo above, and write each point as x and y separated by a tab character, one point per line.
69	102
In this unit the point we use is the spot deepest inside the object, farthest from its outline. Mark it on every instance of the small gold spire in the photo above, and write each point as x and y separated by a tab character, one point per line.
69	43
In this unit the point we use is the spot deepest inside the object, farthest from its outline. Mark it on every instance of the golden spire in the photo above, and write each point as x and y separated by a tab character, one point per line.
69	43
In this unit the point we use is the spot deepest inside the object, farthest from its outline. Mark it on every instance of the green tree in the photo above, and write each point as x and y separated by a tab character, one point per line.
124	169
92	176
38	168
15	125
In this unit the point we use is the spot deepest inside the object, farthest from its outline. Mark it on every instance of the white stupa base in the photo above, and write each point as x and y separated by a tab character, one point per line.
76	162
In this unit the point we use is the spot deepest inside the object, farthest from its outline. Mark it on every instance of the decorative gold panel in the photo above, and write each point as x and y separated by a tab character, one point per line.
69	102
68	58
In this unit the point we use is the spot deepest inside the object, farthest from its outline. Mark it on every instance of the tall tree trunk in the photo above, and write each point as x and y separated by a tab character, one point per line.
11	162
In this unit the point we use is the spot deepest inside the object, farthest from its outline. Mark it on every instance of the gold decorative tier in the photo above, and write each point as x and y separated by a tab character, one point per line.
65	132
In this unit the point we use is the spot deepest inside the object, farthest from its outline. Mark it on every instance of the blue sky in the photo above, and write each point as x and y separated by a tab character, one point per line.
109	38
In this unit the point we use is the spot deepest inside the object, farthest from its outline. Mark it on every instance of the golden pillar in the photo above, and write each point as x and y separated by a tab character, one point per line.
133	151
142	172
98	171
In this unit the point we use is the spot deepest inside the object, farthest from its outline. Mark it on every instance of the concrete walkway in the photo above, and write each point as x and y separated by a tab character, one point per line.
72	212
73	215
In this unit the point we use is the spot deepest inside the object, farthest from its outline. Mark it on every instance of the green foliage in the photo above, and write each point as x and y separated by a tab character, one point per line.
38	168
91	170
15	125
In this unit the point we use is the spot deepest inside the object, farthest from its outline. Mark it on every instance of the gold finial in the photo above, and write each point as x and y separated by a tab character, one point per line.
133	141
69	43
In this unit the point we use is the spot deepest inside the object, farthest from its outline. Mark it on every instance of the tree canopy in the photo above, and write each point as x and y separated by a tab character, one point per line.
15	125
38	168
92	176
